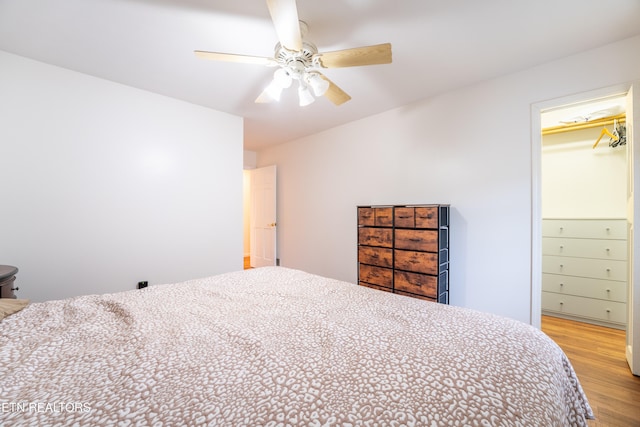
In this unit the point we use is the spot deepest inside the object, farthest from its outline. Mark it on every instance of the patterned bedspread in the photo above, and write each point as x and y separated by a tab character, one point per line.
277	347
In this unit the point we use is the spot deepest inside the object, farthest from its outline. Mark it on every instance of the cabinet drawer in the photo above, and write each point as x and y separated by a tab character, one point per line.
416	217
585	228
417	240
585	267
382	237
420	284
427	217
419	262
404	217
376	275
379	217
585	248
382	257
608	290
608	311
366	216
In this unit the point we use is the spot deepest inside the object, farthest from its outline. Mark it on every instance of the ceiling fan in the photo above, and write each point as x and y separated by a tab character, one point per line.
298	59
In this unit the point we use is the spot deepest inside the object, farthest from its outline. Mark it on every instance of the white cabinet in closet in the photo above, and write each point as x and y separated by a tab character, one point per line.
584	270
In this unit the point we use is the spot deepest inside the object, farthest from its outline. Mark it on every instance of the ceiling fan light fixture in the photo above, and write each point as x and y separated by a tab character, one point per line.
274	91
282	78
317	83
305	95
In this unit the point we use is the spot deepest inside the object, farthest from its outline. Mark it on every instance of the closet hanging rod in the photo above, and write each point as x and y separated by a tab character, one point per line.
605	121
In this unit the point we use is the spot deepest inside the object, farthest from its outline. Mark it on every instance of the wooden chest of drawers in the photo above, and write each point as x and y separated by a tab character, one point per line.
405	249
584	270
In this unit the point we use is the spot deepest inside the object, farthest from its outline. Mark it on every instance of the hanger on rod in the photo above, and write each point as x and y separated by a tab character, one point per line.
604	132
618	137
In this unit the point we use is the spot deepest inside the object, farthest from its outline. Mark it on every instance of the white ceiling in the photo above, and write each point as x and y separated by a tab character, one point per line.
438	45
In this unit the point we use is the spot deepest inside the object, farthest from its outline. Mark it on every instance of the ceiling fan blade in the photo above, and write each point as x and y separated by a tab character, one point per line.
284	14
368	55
230	57
334	93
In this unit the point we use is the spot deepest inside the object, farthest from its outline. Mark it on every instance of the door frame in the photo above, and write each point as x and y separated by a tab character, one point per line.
536	196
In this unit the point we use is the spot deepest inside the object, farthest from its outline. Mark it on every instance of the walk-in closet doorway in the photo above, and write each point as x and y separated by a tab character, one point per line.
584	210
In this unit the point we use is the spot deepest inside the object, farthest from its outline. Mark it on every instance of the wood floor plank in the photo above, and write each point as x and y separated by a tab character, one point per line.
598	357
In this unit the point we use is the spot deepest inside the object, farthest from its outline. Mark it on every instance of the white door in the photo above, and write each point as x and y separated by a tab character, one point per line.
262	218
633	218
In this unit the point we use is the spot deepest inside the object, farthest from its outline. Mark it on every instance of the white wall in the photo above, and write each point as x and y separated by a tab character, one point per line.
103	185
470	148
579	181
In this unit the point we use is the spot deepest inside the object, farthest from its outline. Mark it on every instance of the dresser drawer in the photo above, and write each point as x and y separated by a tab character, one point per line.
419	262
379	217
585	267
585	248
417	217
420	284
585	228
417	240
608	290
382	237
608	311
376	275
382	257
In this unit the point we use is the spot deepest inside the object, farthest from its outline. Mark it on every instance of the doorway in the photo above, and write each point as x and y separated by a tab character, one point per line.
582	185
260	232
584	212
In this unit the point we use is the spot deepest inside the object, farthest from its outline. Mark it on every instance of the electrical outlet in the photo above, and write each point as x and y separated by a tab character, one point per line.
143	284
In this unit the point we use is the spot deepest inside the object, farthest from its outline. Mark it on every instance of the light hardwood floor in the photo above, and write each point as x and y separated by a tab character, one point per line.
598	357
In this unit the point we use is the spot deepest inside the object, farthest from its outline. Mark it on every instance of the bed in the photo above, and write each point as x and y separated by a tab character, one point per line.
275	347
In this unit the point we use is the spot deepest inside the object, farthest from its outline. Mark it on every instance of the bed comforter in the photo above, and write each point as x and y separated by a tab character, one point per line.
278	347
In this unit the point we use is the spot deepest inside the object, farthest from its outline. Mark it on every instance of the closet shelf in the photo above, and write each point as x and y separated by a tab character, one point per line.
605	121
